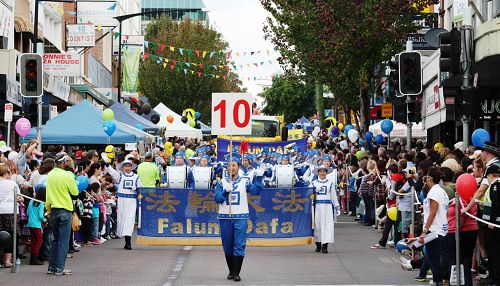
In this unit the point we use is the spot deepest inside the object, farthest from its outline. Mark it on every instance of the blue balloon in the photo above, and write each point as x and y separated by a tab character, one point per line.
347	128
197	115
109	127
361	142
139	126
369	136
82	183
379	139
386	126
479	136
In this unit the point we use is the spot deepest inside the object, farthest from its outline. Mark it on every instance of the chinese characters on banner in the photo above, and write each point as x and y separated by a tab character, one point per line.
173	216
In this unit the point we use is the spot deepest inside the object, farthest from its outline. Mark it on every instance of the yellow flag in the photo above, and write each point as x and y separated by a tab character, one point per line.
99	28
204	54
172	49
164	65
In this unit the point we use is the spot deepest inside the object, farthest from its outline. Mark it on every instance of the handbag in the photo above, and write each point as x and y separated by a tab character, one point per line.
76	223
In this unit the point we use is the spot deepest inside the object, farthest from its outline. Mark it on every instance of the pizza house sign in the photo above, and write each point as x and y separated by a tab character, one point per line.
62	64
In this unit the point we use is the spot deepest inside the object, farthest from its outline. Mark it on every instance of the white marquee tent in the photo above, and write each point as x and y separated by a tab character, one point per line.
176	128
399	130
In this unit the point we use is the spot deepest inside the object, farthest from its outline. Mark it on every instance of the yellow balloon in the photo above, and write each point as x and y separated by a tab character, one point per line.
340	126
438	146
190	113
168	144
392	213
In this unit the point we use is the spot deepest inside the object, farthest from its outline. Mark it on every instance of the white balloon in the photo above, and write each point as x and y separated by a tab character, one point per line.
353	135
316	131
344	145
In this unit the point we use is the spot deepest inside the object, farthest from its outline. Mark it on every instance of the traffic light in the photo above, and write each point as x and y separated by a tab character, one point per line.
410	73
394	73
31	75
414	114
400	110
450	47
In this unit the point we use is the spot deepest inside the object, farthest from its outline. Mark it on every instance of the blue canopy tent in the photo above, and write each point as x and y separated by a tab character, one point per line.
82	124
205	130
129	117
304	123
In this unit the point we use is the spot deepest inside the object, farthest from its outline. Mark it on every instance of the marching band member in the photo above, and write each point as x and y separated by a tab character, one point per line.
285	175
231	195
177	176
247	167
128	182
324	197
203	174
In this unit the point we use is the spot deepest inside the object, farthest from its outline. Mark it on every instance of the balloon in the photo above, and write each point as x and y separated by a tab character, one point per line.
353	135
359	154
316	131
82	183
192	123
392	213
23	127
146	108
5	239
155	118
335	131
189	113
170	119
379	139
329	122
197	115
361	142
2	143
479	136
184	119
369	136
108	114
347	128
168	144
386	125
109	127
438	146
340	126
139	126
466	186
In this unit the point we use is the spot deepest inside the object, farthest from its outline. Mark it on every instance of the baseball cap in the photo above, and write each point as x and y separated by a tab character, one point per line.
62	157
475	155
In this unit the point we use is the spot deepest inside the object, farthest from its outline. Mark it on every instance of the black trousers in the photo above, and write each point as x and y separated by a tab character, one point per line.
353	201
493	251
467	245
387	230
433	257
86	228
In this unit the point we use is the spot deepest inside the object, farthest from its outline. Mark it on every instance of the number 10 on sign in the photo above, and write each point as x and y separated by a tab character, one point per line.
231	114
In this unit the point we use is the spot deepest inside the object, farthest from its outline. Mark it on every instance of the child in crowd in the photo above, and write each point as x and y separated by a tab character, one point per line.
36	219
87	202
97	199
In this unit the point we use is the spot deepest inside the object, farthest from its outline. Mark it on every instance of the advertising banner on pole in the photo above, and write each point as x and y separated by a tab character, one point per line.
131	58
257	147
80	35
278	217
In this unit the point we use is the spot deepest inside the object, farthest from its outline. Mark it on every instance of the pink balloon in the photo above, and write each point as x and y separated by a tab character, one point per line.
466	186
23	127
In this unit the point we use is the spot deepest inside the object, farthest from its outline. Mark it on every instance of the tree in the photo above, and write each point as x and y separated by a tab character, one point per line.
291	96
185	80
339	43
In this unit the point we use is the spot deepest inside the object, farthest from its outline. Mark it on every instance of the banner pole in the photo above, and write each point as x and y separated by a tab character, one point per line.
15	267
412	218
230	172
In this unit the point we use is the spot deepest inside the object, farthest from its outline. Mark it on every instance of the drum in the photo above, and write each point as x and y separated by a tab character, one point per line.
177	177
285	177
202	177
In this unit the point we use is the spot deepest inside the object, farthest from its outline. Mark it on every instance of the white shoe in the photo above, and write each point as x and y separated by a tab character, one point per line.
390	243
428	276
103	240
76	245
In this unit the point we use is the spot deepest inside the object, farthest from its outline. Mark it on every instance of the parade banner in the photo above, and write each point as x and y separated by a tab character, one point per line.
278	217
258	147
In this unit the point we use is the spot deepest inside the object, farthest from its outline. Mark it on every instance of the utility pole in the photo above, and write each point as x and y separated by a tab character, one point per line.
409	124
466	57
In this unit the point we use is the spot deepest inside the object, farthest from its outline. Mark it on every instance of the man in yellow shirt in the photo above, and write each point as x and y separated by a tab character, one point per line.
148	172
61	185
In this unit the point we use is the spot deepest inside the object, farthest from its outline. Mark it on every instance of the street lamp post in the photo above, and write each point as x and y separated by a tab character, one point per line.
122	18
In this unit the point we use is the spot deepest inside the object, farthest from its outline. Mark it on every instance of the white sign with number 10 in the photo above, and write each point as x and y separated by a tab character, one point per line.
231	114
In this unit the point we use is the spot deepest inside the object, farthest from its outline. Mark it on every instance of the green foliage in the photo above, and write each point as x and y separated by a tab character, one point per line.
339	42
291	96
172	85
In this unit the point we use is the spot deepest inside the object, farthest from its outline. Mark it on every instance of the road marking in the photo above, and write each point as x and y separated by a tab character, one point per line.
388	260
178	266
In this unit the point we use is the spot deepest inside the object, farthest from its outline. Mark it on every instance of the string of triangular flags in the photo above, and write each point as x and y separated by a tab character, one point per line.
199	52
208	66
182	68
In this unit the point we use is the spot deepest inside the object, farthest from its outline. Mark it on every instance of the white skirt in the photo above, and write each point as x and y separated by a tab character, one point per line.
126	216
323	223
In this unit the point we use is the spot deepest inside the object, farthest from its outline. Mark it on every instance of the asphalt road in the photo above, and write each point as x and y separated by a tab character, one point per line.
349	262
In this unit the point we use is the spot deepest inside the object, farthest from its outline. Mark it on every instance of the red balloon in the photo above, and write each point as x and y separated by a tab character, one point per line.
466	186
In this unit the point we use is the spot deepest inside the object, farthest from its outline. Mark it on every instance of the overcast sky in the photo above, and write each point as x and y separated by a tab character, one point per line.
241	23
